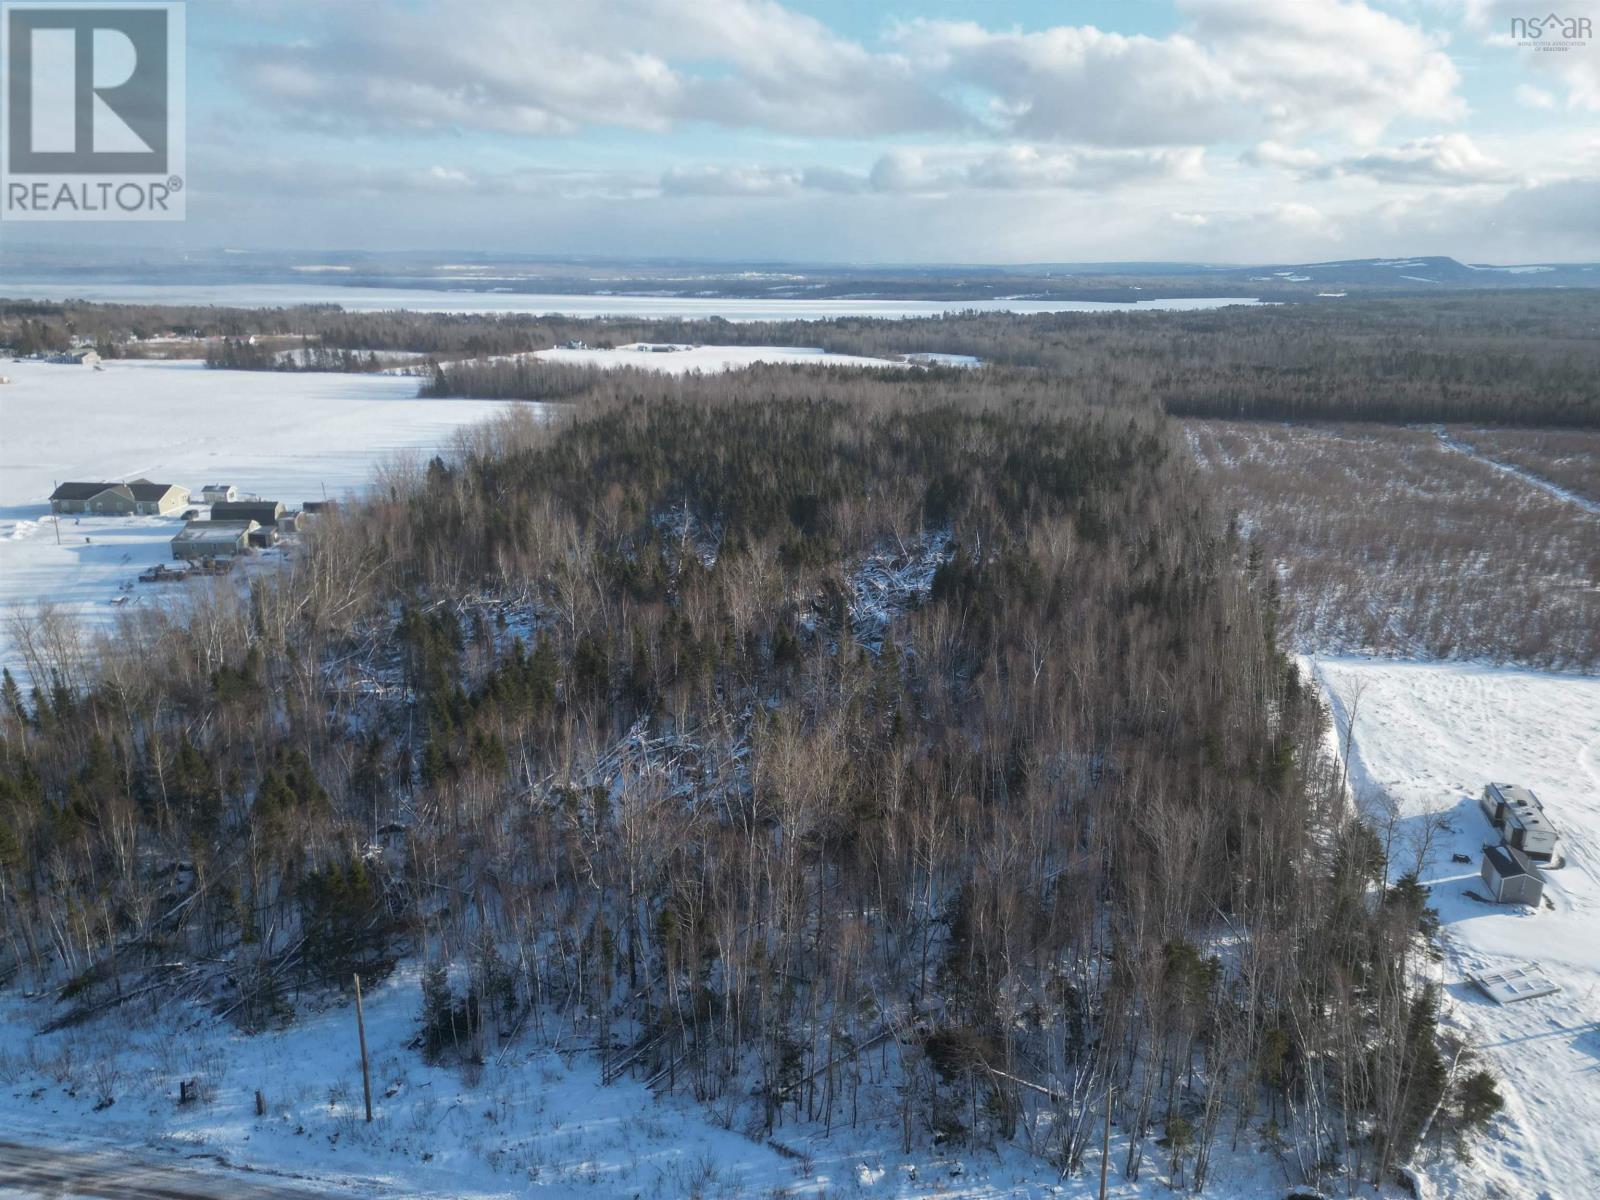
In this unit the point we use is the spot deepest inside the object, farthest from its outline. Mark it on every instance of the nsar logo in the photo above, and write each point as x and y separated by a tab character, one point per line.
1551	32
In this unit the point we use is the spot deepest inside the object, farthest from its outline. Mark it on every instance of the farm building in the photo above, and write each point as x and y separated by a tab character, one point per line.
78	357
212	539
1519	816
262	512
157	499
1510	876
92	498
214	492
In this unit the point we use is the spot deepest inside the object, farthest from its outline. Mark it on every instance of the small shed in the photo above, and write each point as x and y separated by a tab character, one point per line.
1510	876
314	507
262	512
291	522
212	539
264	537
212	493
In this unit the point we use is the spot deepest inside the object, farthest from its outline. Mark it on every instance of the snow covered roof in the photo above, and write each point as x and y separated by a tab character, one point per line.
211	531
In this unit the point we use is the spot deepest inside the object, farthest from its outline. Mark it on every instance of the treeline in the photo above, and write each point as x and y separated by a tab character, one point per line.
1514	358
586	706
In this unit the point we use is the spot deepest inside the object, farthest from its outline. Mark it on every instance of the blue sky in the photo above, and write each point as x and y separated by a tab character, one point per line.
842	130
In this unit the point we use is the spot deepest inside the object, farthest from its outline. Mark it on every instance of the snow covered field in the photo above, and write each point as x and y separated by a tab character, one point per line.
1428	736
289	437
680	360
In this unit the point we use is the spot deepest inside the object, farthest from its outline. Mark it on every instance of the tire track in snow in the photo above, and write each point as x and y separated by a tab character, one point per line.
1592	507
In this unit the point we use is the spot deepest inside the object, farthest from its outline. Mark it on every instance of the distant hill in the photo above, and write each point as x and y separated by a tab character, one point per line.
469	271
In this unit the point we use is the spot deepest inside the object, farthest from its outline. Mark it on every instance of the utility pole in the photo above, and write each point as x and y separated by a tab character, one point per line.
361	1032
1105	1141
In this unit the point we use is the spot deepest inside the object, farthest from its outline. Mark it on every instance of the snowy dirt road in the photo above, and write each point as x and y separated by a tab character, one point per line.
41	1171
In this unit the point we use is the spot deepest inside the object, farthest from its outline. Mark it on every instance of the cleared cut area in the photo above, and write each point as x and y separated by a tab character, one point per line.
1399	541
1427	737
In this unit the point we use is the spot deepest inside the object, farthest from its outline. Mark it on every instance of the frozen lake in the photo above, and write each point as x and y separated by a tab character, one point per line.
374	299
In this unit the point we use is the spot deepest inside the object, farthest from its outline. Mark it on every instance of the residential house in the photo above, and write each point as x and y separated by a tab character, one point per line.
214	492
102	498
157	499
80	356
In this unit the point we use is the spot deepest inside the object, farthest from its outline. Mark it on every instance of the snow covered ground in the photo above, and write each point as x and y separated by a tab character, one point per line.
289	437
1428	736
534	1119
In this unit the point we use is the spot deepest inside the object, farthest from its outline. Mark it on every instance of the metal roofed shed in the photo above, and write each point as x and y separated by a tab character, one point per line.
1525	982
262	512
212	539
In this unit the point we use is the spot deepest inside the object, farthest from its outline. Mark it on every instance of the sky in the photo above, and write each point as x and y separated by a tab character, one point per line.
940	131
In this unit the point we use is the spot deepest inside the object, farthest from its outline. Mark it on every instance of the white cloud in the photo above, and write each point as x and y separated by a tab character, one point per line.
1273	154
1451	159
1531	97
1238	70
539	68
731	181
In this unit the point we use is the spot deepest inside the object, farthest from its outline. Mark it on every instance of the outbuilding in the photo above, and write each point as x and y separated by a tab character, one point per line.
78	357
212	539
1510	877
214	492
262	512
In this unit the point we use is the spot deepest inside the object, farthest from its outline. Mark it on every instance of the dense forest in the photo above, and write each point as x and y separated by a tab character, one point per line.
753	725
1515	358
